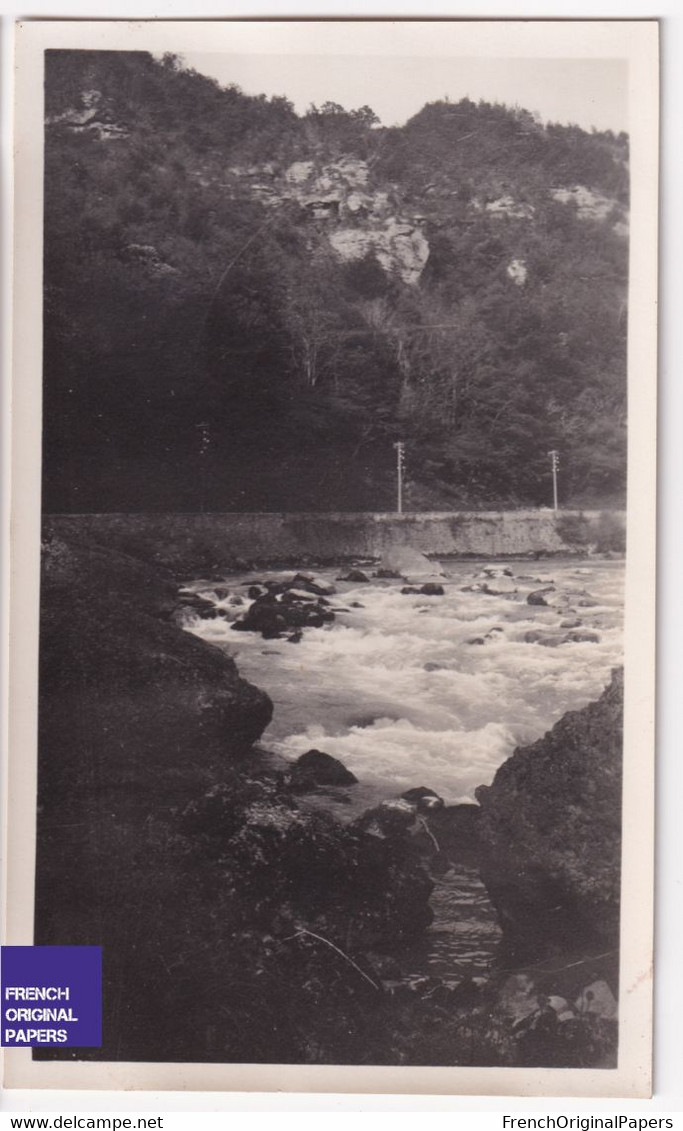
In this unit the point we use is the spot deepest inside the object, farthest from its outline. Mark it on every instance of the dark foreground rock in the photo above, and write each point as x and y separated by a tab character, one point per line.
235	925
550	831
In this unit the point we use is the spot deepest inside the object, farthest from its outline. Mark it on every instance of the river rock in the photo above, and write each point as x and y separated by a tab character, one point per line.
429	589
532	636
549	640
312	584
537	597
316	768
405	561
518	997
583	637
272	616
213	613
307	616
223	592
455	829
597	999
265	616
356	575
425	800
551	836
388	820
502	587
201	605
291	595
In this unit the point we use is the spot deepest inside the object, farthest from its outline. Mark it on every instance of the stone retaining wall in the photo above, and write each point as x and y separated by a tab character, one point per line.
207	540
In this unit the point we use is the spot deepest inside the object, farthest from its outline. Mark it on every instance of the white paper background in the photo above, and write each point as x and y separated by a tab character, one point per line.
669	983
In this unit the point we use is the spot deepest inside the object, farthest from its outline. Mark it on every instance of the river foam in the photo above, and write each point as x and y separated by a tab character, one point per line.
412	690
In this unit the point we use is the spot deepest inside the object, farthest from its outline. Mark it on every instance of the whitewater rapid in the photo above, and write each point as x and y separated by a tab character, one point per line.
411	690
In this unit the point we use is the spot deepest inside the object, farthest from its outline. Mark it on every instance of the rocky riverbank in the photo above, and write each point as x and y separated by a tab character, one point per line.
240	925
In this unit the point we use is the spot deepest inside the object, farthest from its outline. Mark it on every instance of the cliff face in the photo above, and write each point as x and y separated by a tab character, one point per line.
277	299
550	832
350	211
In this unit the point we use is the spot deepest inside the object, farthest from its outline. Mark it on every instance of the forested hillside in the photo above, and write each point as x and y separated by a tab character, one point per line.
246	308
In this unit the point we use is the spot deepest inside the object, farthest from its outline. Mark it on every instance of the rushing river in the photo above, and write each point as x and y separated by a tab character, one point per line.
413	690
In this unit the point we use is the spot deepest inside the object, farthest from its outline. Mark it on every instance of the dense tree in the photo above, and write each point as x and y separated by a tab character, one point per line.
205	347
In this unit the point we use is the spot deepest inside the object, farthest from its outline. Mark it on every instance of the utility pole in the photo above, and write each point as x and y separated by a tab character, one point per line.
204	445
555	464
400	461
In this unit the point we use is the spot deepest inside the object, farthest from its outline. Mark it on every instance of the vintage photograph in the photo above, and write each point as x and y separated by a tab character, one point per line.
337	457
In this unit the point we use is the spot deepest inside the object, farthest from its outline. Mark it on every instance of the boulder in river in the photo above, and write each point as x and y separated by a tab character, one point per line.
265	616
272	614
356	575
388	820
583	637
315	768
429	589
424	799
312	584
203	606
537	597
405	561
502	587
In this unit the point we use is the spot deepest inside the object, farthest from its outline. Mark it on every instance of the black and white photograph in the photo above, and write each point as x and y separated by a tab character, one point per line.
344	401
